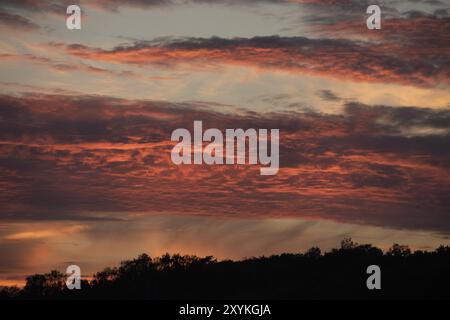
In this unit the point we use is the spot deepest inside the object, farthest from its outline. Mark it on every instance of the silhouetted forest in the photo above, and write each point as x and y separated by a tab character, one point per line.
338	274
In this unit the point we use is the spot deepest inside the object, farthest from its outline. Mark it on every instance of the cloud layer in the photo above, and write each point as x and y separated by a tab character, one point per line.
88	157
344	59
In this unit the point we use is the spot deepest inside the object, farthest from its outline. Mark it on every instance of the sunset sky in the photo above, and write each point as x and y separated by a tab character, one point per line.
86	118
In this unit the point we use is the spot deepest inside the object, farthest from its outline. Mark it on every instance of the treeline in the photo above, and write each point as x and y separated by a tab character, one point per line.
338	274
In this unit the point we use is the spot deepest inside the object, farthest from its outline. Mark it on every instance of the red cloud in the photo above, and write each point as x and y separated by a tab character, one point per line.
66	157
344	59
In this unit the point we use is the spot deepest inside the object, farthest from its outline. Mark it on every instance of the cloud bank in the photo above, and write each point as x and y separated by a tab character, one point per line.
91	157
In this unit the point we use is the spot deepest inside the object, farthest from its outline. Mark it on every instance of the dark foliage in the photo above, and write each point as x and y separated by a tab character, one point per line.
339	274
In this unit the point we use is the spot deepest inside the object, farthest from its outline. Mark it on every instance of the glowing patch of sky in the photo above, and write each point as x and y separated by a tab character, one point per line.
94	246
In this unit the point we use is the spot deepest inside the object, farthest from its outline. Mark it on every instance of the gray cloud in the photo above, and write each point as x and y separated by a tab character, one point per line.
328	95
355	60
75	158
16	22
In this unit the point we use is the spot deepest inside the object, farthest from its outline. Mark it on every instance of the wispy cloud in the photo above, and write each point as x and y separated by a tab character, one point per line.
15	22
71	66
46	233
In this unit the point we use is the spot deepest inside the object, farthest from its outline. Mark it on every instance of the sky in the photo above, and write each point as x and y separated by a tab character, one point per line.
86	118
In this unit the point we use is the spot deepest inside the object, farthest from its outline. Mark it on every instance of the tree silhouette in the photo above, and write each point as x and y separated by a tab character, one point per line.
46	285
399	251
338	274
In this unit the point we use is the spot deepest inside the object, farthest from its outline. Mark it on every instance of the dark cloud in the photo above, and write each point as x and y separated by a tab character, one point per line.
60	5
343	7
16	22
345	59
328	95
52	6
67	157
414	31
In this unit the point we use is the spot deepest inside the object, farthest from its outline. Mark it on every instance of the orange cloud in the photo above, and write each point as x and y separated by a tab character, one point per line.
93	158
343	59
46	233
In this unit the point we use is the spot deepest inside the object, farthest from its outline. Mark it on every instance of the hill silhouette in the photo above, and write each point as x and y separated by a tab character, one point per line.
338	274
